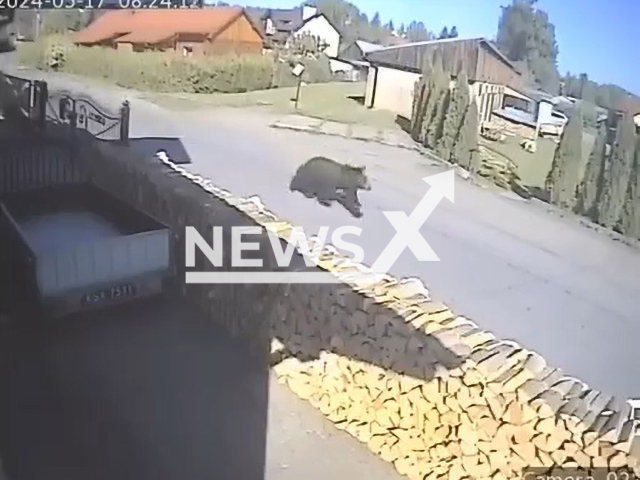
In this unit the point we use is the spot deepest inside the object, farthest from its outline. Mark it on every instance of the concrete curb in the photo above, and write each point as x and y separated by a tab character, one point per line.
318	131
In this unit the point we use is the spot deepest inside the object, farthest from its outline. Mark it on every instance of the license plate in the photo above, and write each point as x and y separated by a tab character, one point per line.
108	294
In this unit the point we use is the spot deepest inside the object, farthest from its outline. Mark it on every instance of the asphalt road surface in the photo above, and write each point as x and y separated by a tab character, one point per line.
516	269
565	291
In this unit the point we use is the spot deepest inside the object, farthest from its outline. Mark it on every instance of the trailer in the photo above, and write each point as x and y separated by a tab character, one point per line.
75	247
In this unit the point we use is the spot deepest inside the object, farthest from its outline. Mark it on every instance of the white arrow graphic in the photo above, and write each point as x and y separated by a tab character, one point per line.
408	227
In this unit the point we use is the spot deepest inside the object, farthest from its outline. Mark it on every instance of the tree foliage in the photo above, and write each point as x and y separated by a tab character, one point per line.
603	95
417	32
630	217
355	25
446	119
454	117
590	188
616	177
466	145
563	177
527	37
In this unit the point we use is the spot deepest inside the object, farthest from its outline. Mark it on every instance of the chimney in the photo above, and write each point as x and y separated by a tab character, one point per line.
308	11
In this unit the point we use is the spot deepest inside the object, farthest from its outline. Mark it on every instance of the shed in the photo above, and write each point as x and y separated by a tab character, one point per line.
396	70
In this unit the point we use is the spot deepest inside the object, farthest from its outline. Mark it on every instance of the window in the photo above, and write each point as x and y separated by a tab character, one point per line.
187	51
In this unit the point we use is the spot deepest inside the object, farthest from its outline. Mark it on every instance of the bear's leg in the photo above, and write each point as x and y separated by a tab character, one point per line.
351	203
325	196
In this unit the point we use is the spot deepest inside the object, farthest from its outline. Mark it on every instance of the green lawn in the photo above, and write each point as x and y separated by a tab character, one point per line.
533	167
329	101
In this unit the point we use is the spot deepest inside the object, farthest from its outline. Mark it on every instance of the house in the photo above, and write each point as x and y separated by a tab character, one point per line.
210	31
352	63
395	70
280	25
533	109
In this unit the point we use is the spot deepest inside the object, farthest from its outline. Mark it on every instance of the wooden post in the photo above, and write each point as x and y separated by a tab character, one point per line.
42	98
125	117
298	92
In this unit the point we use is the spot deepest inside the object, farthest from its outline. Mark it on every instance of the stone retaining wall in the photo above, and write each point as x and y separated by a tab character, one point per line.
423	388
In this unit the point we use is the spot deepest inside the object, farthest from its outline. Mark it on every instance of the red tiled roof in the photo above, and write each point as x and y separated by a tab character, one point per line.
153	26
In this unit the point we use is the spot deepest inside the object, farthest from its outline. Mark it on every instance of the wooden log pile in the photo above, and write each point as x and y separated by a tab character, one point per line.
427	390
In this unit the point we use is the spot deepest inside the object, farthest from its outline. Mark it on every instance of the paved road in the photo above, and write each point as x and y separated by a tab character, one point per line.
525	274
151	390
558	288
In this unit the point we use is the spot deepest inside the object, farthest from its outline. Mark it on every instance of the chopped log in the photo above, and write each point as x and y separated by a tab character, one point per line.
514	414
530	389
488	426
619	460
453	385
376	443
431	390
526	451
458	472
582	459
469	449
484	446
523	434
498	459
497	405
517	463
546	425
502	439
559	457
450	418
545	459
388	454
472	377
452	405
470	464
600	462
454	448
476	412
548	403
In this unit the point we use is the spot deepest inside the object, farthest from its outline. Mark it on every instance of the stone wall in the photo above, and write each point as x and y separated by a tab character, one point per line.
422	387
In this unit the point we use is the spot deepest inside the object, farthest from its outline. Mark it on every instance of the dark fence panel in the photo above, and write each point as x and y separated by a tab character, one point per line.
84	113
22	99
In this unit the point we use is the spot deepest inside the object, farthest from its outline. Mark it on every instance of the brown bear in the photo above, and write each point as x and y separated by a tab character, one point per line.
329	181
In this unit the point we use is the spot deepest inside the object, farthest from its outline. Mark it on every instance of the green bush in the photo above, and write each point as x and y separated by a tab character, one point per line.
167	71
155	71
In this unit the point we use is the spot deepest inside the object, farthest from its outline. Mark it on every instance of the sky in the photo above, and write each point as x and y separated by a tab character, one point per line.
597	37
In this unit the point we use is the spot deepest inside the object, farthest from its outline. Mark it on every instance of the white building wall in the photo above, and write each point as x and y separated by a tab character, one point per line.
394	90
321	28
544	113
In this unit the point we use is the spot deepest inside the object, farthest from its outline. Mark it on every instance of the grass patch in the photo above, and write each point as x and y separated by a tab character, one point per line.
534	167
335	101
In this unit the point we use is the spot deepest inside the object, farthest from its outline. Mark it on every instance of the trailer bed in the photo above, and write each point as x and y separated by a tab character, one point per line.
81	248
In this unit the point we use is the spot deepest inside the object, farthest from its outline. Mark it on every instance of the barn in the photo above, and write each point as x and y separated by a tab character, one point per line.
208	31
395	70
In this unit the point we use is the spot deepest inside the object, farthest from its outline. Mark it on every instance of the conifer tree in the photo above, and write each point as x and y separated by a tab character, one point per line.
466	144
562	179
616	178
454	118
590	188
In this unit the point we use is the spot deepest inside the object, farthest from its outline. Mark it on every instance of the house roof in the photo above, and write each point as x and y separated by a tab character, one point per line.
286	20
383	53
153	26
367	47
